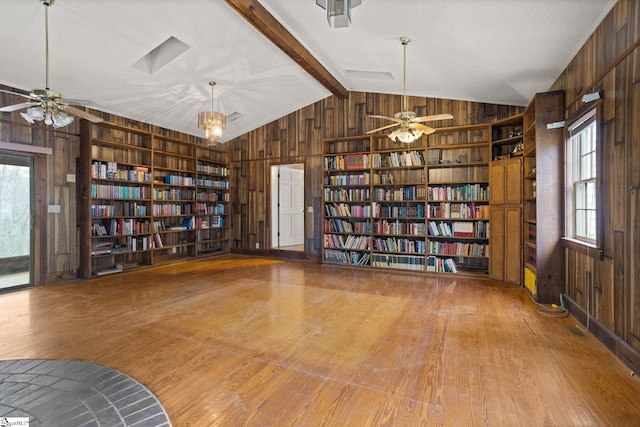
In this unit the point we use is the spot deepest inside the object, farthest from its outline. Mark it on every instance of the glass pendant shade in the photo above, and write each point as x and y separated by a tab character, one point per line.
338	11
212	122
405	135
50	115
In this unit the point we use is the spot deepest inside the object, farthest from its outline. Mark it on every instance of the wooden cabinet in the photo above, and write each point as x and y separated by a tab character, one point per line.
140	195
505	179
543	200
506	243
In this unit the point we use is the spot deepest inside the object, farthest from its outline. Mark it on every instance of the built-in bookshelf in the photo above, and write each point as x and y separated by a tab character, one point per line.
421	206
347	221
120	189
212	201
174	195
151	199
458	199
542	210
505	179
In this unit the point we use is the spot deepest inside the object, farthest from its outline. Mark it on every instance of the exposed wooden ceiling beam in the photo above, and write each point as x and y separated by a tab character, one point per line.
264	22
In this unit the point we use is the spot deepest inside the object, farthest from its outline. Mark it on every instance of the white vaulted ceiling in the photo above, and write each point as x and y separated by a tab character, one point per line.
496	51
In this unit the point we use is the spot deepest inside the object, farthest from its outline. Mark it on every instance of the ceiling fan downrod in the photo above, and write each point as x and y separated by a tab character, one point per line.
405	41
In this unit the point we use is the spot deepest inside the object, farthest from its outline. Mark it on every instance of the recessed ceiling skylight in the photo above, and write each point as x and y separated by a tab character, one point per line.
161	55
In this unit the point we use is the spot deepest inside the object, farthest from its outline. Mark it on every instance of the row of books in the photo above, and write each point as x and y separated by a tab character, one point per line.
212	183
167	209
107	191
410	192
399	227
215	221
458	210
532	233
385	211
130	244
458	248
210	209
466	192
120	227
407	176
122	209
346	257
173	194
392	244
214	170
348	161
213	197
479	229
342	209
176	180
400	262
443	265
335	225
346	194
336	241
398	159
109	170
351	179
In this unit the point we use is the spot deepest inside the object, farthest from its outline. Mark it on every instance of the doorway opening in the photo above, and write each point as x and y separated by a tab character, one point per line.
16	230
287	207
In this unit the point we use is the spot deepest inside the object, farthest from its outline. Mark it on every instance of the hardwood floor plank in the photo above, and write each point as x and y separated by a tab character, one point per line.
238	340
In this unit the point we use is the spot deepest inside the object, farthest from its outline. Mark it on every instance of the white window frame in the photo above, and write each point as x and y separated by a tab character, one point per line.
581	173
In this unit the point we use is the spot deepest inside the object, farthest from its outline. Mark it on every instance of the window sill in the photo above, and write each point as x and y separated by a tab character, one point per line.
582	247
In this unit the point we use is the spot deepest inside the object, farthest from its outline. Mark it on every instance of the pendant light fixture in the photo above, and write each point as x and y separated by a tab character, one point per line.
212	122
338	11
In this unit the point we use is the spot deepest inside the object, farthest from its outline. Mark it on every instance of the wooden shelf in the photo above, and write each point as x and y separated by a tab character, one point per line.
160	156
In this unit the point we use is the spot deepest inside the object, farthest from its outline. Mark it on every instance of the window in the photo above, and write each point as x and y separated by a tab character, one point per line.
581	176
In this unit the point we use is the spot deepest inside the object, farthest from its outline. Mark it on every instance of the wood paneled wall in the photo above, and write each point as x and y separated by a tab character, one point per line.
56	253
607	284
297	138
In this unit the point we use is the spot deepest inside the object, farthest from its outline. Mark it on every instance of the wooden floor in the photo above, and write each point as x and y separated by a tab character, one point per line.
248	341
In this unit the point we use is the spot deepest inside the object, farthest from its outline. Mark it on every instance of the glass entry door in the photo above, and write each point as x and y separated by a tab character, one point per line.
15	221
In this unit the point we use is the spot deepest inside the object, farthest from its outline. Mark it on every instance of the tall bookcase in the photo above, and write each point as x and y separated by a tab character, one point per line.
212	201
174	195
421	206
505	179
148	199
542	192
458	196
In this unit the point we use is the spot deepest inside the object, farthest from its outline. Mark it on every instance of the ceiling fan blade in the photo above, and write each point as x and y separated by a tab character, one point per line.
382	128
432	118
395	119
82	114
80	102
24	95
16	107
425	129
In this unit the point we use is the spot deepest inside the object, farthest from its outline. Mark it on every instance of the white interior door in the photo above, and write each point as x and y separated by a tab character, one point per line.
291	206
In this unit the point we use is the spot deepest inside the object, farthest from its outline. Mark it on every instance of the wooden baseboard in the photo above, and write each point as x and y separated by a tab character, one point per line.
278	254
629	355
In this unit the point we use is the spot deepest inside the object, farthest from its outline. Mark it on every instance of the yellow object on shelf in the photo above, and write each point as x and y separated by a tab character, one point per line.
530	280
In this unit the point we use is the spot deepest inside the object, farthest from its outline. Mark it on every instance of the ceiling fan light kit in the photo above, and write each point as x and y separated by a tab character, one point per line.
410	126
212	122
46	105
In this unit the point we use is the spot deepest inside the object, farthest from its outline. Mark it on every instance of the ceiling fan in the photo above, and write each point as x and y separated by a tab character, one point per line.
48	105
410	126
